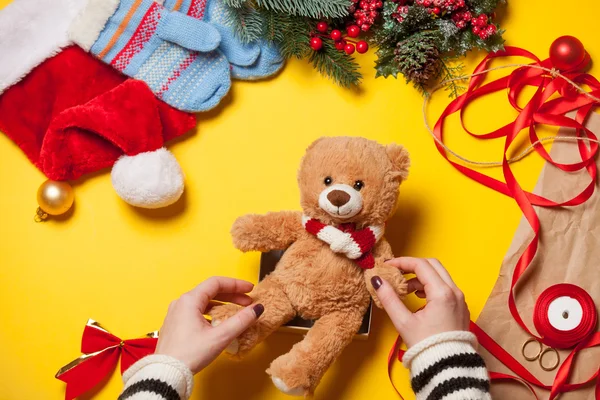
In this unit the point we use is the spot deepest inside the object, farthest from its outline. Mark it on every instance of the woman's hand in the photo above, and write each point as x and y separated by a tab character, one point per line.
445	310
187	336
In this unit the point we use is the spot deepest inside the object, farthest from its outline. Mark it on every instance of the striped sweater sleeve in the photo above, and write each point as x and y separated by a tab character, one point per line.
157	377
447	367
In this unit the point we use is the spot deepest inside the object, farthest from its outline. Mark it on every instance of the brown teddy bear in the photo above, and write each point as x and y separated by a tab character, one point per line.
349	188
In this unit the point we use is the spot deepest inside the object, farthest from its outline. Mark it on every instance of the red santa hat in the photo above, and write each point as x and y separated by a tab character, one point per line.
73	115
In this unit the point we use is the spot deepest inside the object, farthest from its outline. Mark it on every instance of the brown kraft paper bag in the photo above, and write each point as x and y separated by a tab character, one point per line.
569	252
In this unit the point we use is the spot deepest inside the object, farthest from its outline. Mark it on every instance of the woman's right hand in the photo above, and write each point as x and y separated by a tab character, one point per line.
445	310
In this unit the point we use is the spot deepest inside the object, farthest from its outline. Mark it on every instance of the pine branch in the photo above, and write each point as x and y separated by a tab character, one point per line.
307	8
450	71
484	6
247	22
336	65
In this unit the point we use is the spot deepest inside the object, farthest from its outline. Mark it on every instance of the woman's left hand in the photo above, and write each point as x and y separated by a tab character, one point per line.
187	336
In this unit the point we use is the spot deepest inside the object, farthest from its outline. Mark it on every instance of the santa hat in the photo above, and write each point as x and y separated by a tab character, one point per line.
73	115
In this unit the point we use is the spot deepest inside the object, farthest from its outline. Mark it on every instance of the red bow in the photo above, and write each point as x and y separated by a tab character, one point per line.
101	352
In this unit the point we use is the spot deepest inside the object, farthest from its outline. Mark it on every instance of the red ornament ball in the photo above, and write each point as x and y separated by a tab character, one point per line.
567	52
349	48
322	27
336	34
362	47
353	31
316	43
340	44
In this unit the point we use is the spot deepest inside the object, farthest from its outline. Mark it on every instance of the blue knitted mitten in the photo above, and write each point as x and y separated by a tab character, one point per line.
248	61
173	53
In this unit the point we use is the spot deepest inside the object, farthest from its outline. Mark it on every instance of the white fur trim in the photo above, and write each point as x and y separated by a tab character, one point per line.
91	21
278	382
149	180
32	31
348	210
162	367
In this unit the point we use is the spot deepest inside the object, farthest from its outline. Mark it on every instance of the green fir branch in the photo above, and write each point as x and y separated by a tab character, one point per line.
247	23
337	65
484	6
450	69
307	8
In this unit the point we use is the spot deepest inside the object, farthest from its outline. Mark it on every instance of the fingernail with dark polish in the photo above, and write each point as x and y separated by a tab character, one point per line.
376	282
258	310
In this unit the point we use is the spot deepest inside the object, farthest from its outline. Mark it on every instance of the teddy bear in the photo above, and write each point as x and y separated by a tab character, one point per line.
349	188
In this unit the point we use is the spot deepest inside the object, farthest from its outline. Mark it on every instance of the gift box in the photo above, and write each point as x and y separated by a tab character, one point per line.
268	262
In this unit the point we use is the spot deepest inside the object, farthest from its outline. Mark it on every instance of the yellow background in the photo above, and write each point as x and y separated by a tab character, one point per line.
122	266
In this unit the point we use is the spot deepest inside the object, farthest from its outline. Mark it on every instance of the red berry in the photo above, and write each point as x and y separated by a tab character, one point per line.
349	48
461	24
364	4
491	29
474	22
353	31
362	47
322	27
336	34
476	30
379	4
372	14
316	43
365	27
339	44
467	16
482	19
436	10
426	3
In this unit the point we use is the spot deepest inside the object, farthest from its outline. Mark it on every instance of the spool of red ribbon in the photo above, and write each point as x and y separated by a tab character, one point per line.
564	315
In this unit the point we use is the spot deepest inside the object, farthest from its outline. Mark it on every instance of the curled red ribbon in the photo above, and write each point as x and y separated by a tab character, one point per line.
101	352
539	110
565	339
542	108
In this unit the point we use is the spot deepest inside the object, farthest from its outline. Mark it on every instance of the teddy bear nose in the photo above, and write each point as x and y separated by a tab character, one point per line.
338	197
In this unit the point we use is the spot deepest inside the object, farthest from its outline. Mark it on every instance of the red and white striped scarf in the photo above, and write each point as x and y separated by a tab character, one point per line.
357	245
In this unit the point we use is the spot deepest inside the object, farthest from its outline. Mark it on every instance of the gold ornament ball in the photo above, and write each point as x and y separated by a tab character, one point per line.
55	197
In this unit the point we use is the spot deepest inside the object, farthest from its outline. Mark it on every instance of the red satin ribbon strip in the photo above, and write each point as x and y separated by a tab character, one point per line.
102	351
559	338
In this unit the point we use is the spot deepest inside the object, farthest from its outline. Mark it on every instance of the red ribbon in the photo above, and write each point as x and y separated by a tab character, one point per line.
539	110
562	339
102	351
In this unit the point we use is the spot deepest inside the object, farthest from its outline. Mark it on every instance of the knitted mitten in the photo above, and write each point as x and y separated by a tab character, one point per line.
172	52
269	62
248	61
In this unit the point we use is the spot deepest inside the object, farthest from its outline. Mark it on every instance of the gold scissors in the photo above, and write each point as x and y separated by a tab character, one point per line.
540	354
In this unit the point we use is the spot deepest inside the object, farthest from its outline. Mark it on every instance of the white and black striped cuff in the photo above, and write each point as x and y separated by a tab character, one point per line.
447	367
157	377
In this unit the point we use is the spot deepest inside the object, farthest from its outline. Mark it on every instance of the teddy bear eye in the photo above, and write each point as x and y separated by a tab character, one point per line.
327	180
359	185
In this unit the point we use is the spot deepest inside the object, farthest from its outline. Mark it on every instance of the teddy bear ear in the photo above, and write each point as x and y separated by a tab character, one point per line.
400	159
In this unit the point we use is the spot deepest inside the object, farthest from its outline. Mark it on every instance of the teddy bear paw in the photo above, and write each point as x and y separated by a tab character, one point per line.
234	346
280	384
